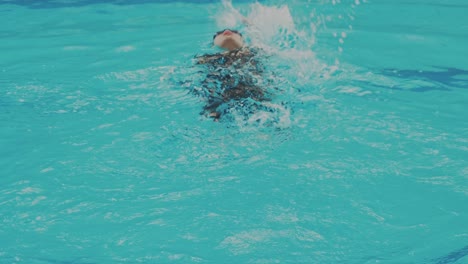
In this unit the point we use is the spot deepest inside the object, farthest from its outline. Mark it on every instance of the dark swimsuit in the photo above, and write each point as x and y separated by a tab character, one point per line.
232	77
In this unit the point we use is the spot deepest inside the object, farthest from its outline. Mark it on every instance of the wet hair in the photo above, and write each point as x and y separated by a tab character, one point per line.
221	31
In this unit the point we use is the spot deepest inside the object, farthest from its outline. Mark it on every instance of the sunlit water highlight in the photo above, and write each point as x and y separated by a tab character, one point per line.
106	159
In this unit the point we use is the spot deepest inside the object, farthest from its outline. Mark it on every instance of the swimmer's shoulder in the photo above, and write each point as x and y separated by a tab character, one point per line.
228	57
244	51
209	58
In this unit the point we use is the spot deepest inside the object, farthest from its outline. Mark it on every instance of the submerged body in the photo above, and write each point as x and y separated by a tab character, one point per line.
233	77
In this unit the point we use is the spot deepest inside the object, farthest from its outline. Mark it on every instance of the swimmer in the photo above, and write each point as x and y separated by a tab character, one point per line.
233	75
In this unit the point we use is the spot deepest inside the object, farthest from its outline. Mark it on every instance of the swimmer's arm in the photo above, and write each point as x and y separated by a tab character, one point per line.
241	17
246	21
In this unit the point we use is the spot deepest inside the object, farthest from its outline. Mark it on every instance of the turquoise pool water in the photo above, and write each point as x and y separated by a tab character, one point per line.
106	159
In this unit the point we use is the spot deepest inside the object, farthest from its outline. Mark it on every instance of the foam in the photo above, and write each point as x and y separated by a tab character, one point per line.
125	49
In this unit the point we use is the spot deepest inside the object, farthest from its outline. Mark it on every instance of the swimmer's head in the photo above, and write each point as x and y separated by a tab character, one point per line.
228	39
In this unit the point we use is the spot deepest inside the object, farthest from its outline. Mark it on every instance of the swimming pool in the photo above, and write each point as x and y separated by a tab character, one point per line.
106	159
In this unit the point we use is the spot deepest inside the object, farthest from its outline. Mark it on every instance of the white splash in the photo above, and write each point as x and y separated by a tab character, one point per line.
269	22
263	24
272	28
229	17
